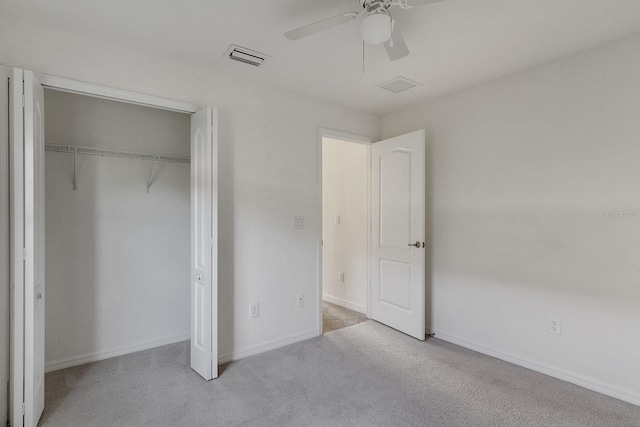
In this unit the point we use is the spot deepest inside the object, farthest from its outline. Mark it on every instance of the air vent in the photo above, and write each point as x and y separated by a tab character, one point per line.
246	56
398	84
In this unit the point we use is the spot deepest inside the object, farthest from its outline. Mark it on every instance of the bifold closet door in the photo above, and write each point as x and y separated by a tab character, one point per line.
204	272
27	252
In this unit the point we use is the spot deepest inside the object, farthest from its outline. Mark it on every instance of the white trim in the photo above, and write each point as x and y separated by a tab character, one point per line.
267	346
593	384
5	250
215	242
16	219
336	134
107	354
345	303
73	86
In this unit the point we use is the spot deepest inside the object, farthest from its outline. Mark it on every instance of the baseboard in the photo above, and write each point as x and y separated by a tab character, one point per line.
344	303
266	346
101	355
626	395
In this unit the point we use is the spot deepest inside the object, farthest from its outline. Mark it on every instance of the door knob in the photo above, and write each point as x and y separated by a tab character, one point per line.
416	244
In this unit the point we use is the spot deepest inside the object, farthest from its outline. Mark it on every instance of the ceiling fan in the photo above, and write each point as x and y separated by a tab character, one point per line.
376	26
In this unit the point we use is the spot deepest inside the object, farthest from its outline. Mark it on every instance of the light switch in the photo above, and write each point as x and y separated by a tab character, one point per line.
298	222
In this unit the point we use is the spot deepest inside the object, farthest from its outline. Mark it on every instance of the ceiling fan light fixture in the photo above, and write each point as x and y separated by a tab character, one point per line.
376	28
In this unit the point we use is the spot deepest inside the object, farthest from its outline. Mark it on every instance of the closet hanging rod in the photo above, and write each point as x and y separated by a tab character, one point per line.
116	153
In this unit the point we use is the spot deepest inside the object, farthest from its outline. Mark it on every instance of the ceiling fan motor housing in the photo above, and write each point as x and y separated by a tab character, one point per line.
376	6
377	26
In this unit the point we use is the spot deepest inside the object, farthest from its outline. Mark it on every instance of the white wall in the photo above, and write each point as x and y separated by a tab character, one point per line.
268	172
521	174
345	194
117	257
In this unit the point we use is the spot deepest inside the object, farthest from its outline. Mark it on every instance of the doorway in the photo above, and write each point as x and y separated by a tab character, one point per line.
345	185
395	284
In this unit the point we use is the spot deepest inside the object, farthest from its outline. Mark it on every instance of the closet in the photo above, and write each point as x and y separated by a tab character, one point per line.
115	192
117	209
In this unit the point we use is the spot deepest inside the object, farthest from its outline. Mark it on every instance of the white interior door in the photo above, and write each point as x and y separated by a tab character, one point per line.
204	282
27	232
398	233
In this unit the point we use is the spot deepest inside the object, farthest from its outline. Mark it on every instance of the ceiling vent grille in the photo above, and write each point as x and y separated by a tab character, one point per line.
247	56
398	84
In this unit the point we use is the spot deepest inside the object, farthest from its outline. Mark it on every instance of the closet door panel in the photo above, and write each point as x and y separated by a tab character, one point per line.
34	287
27	248
204	357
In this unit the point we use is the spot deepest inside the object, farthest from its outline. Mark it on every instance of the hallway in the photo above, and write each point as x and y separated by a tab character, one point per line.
336	317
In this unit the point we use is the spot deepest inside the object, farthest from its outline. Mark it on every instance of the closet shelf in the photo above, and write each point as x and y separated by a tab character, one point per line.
116	153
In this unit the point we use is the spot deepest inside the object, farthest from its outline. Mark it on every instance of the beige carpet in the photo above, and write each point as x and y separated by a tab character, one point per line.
365	375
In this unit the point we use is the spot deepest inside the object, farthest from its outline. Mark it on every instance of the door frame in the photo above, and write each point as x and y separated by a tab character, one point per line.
94	90
360	139
16	245
5	262
121	95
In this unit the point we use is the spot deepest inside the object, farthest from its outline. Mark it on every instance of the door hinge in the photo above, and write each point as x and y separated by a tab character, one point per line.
211	243
24	101
23	409
24	254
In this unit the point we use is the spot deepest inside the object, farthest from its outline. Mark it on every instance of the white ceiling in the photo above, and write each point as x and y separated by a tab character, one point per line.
454	44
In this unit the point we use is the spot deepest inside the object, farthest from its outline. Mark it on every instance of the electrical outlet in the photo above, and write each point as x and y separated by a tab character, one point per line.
300	300
337	220
555	326
254	309
341	276
298	222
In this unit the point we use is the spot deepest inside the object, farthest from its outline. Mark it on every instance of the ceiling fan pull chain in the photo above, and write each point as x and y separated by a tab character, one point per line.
363	78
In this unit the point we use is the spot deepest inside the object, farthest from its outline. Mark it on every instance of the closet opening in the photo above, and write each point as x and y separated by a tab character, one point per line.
113	214
117	229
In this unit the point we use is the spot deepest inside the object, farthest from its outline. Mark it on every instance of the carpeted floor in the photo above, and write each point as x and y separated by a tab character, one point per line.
365	375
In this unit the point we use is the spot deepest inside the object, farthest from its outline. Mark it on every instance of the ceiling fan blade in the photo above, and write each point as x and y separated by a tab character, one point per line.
316	27
416	3
399	48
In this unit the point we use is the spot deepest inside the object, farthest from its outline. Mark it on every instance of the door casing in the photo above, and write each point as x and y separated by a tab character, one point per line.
5	75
